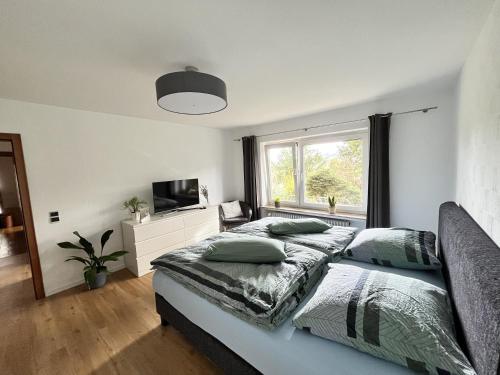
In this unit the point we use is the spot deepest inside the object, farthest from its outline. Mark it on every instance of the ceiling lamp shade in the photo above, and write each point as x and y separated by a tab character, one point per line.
191	92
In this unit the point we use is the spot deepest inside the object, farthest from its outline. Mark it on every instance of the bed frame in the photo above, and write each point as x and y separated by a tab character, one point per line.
471	266
217	352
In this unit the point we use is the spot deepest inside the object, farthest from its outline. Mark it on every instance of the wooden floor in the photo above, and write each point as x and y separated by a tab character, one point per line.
113	330
12	241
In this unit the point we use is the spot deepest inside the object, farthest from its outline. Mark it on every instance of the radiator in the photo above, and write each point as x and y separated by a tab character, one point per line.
292	215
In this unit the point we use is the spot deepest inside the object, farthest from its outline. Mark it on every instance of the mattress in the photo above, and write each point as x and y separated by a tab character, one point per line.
286	350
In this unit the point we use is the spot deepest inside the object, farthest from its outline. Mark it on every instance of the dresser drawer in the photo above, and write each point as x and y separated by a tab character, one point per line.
201	231
156	229
144	262
156	243
147	241
208	214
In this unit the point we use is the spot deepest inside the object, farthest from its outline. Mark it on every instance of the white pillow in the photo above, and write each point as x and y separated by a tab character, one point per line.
232	209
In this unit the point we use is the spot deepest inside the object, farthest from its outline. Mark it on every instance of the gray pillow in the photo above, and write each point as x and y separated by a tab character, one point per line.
294	226
246	249
397	318
395	247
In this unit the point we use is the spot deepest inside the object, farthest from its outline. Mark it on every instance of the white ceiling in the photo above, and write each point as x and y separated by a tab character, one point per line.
280	58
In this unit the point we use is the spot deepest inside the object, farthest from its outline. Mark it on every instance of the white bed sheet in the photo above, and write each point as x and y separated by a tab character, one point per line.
286	350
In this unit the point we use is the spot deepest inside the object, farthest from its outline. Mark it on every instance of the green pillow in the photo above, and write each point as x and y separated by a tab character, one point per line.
246	249
294	226
396	318
395	247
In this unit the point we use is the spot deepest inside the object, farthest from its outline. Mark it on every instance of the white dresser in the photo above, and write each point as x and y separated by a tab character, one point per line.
147	241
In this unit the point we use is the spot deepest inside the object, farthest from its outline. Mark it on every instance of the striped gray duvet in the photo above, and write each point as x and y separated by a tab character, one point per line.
331	242
261	294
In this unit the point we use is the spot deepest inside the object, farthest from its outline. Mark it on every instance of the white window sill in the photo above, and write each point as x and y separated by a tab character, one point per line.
322	213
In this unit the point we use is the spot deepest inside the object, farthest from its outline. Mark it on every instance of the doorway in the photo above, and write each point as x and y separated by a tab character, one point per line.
18	247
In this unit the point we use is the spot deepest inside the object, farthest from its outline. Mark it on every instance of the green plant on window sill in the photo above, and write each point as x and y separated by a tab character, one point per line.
95	272
332	202
277	202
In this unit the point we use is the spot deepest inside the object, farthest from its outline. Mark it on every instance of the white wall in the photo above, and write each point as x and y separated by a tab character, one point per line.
422	149
85	164
478	166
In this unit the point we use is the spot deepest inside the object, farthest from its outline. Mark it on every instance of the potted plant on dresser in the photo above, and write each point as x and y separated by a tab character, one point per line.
95	272
204	192
134	205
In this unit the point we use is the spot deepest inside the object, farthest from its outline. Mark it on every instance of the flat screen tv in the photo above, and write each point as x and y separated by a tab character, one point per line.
172	195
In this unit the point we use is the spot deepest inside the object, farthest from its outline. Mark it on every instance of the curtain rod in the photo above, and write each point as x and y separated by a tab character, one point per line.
424	110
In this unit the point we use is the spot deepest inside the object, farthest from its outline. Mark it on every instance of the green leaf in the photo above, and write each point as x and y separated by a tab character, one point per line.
134	204
112	257
69	245
103	269
89	276
118	253
78	259
89	248
94	261
105	238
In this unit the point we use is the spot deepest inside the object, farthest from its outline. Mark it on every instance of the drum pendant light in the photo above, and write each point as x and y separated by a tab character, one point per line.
191	92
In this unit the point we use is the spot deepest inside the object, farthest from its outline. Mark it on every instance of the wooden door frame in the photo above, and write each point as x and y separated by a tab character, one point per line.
29	226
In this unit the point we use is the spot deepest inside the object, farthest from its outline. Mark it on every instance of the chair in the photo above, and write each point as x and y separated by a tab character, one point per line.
233	222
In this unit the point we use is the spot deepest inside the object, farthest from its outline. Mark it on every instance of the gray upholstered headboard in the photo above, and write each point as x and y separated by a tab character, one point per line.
472	272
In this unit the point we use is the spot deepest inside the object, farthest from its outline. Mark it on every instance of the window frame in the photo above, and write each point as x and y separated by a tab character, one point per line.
299	174
269	147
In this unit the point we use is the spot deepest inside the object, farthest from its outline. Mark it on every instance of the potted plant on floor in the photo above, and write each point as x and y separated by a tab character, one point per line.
331	205
95	272
277	202
134	205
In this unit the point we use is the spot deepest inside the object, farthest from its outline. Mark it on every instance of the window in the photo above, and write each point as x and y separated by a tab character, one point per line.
304	172
281	164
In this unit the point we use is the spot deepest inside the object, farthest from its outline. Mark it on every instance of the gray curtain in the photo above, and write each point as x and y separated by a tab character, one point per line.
378	210
251	174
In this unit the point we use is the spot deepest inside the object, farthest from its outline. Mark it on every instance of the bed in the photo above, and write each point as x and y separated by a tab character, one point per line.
261	294
471	274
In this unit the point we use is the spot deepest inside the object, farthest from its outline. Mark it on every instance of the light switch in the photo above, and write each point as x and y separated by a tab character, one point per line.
54	217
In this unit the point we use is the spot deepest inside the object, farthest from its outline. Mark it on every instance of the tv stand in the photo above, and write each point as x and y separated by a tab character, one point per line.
170	212
163	233
191	208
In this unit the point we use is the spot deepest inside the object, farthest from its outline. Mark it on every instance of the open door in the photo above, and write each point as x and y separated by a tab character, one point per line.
27	216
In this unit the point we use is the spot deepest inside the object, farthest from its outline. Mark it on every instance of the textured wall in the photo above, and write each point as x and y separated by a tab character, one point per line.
478	167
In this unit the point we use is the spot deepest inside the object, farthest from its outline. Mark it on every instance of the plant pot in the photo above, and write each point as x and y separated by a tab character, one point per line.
136	216
277	204
332	210
99	281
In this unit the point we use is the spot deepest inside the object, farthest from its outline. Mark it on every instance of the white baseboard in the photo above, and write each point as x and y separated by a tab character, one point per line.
80	281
